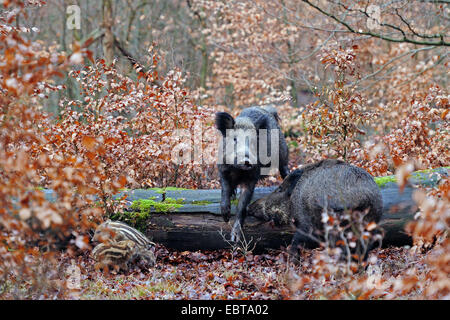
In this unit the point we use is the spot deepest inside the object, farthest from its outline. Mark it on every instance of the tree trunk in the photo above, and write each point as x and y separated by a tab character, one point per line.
201	227
198	225
108	39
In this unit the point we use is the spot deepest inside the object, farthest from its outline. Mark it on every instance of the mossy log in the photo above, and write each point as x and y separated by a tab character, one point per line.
201	227
196	224
191	220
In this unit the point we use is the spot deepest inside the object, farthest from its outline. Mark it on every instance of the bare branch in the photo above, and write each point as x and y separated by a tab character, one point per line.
405	38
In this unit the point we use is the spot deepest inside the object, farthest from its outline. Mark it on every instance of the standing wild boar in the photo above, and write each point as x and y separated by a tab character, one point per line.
306	193
252	144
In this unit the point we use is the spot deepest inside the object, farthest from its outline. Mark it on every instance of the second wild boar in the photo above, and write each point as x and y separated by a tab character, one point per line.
323	186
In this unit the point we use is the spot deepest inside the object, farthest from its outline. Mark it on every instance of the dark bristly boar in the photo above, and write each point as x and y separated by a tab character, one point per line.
252	146
328	185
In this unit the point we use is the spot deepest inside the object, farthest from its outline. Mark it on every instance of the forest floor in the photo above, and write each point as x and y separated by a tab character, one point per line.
220	275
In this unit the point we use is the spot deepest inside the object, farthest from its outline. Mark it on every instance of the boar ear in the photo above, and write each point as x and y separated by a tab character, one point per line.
224	121
290	182
262	123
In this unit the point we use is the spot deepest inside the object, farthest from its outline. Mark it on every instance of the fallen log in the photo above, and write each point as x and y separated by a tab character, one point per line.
186	219
191	220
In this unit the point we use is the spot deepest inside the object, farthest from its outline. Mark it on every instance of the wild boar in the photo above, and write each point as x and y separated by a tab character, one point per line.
114	255
323	186
110	231
247	142
119	255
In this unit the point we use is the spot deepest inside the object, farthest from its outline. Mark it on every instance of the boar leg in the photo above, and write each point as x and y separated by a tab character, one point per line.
300	240
284	170
284	157
227	191
244	200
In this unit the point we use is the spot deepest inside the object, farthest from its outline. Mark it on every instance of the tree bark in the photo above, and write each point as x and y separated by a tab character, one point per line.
198	225
201	227
108	39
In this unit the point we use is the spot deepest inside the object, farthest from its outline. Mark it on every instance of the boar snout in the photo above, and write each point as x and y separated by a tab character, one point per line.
247	165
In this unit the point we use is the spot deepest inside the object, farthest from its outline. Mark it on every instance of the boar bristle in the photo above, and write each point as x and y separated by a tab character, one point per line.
272	110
